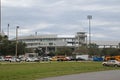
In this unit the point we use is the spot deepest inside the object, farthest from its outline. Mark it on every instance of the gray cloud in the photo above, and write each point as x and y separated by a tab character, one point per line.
62	16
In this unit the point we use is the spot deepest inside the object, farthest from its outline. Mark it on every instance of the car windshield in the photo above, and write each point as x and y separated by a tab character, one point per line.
113	61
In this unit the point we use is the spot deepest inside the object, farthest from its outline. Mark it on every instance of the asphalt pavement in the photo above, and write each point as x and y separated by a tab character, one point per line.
102	75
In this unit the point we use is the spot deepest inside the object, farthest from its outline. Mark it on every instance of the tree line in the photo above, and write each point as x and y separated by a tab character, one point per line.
8	47
93	50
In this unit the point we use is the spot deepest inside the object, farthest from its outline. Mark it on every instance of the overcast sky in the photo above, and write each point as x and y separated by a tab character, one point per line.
62	17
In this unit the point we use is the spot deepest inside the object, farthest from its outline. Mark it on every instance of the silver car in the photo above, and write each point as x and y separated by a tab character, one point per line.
114	63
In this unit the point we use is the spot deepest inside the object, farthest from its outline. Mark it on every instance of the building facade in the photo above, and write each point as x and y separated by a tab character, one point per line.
52	41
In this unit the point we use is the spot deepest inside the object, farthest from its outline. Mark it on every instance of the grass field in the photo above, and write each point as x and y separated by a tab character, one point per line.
33	71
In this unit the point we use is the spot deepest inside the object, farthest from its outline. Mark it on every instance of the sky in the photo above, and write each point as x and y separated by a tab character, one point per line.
62	17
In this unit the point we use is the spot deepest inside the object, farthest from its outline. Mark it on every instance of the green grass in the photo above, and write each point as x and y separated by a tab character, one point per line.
32	71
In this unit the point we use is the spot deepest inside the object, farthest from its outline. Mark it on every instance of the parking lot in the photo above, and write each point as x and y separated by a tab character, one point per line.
102	75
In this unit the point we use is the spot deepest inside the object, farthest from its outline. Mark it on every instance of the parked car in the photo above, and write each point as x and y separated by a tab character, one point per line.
29	59
7	58
59	58
36	59
2	58
14	59
114	63
32	59
47	58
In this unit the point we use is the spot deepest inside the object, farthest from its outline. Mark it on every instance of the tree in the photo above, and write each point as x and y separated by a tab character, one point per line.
3	44
64	51
110	51
94	50
40	51
81	50
52	53
8	47
21	48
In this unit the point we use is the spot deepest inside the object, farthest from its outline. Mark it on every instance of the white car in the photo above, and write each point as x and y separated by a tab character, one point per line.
114	63
2	58
28	59
32	59
14	59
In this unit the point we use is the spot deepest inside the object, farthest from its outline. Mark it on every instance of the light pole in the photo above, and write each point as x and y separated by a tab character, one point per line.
0	18
16	40
89	17
8	31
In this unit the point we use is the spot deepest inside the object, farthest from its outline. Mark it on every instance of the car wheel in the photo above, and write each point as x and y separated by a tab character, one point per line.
104	64
115	65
